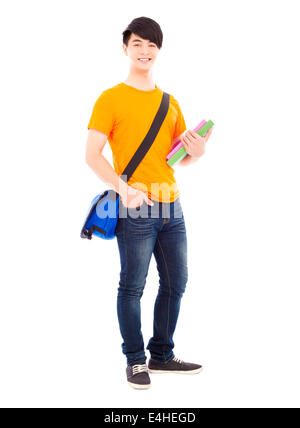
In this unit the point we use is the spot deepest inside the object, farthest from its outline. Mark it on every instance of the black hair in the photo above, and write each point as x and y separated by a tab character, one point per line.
146	28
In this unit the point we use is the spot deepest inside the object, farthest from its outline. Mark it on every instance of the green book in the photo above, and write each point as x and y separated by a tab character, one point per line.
205	128
180	154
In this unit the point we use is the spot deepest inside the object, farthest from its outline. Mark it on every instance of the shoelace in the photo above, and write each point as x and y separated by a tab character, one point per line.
177	360
139	368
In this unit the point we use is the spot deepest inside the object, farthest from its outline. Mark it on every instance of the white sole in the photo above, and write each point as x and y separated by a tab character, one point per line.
177	371
137	386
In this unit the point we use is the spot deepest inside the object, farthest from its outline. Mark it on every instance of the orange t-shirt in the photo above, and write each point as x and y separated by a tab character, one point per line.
125	114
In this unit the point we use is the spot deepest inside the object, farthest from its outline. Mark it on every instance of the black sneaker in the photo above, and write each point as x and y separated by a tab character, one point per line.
138	376
174	366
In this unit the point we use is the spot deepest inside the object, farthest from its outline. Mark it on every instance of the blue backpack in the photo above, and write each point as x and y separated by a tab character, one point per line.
103	213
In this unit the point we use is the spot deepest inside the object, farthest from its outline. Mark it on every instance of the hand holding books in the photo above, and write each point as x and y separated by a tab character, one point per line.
178	152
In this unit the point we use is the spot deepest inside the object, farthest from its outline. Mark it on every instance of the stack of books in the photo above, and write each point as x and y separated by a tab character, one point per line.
178	151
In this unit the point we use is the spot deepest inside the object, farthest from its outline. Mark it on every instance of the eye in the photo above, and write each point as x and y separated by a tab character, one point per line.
137	44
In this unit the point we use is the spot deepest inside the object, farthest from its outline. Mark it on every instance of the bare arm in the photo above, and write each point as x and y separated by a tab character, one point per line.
130	196
99	164
187	160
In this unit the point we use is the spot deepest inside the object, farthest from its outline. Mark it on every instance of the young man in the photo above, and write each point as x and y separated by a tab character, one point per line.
123	114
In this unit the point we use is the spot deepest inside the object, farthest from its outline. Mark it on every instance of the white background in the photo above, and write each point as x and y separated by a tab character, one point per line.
233	62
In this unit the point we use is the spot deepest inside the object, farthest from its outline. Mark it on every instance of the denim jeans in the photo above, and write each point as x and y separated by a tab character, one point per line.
159	229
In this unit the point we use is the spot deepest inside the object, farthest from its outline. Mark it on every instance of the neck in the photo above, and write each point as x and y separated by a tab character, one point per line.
141	79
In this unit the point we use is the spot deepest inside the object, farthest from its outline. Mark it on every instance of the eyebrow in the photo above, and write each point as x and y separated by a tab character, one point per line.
138	40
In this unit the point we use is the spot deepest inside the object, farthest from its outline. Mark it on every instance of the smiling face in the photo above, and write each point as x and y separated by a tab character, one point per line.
139	49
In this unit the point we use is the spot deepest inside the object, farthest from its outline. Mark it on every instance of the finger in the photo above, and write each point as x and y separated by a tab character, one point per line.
124	201
189	132
185	142
147	200
196	138
188	137
186	145
193	134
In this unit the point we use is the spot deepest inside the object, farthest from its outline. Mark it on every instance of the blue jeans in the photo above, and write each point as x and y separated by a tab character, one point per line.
159	229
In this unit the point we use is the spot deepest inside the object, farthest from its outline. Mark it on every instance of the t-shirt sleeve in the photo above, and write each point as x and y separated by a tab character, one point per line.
180	125
102	117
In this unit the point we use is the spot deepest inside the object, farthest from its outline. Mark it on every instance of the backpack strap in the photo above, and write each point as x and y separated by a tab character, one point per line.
148	140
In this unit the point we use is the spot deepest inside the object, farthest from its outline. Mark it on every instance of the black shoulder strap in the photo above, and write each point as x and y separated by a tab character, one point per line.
148	140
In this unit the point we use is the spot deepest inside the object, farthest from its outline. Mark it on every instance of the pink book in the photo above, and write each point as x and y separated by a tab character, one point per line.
179	144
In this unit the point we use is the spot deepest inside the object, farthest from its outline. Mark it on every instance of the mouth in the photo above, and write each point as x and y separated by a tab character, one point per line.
144	59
